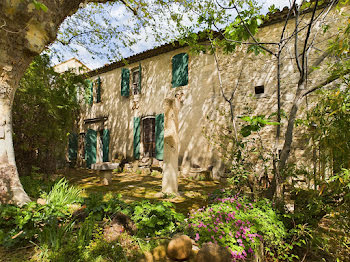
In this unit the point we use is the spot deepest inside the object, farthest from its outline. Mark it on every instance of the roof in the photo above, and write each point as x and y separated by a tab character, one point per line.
274	18
137	57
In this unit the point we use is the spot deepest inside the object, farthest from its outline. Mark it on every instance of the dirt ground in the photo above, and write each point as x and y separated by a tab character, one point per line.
139	186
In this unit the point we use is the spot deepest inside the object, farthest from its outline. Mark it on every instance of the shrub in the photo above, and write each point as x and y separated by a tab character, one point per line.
237	224
152	219
26	223
62	194
156	219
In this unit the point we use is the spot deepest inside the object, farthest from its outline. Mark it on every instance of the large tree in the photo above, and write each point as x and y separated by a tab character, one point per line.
27	28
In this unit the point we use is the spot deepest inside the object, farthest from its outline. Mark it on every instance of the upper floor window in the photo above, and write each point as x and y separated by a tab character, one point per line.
179	70
136	80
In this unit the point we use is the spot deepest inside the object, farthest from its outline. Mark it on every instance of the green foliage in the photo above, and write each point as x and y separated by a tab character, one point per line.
254	124
40	6
54	234
44	110
331	116
36	186
99	207
26	223
101	250
62	194
236	223
156	219
242	153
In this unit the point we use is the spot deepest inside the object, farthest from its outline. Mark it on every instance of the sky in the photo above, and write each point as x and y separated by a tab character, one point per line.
119	18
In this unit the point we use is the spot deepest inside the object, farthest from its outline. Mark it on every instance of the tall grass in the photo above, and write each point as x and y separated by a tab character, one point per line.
62	194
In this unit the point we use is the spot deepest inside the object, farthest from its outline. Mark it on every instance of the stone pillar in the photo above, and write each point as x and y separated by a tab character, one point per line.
171	147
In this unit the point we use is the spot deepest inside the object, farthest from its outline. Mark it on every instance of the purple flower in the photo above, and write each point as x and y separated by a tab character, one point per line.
197	237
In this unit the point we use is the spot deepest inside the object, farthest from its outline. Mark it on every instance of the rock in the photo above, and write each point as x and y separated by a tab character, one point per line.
125	221
80	213
41	201
147	257
179	248
213	253
112	232
159	253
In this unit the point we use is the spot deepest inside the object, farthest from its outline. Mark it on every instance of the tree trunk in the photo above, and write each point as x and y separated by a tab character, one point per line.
11	190
290	127
24	33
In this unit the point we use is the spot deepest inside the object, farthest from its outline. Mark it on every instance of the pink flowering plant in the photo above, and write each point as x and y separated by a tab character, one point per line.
235	223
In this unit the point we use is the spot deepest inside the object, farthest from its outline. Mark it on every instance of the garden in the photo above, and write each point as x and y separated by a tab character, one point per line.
83	223
268	205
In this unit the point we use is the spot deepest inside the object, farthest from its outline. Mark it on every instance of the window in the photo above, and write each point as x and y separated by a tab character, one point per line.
135	78
136	81
259	90
179	70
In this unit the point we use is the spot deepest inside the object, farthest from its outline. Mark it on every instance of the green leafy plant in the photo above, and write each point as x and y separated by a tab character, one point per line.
44	110
156	219
62	194
237	224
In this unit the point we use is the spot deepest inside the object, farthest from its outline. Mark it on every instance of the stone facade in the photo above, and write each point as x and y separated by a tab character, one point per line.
197	103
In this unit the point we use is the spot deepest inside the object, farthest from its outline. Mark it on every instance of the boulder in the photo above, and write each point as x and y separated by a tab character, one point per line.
179	248
112	232
159	253
125	221
41	201
213	253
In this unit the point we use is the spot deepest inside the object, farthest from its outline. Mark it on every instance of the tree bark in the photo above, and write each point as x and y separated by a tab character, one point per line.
24	33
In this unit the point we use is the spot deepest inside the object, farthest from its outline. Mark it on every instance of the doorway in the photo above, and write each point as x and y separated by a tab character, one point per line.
149	136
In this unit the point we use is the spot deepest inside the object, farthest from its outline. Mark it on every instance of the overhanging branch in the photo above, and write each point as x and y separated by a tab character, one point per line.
326	82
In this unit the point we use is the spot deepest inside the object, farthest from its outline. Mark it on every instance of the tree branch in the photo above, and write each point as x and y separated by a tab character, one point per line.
247	29
124	2
326	82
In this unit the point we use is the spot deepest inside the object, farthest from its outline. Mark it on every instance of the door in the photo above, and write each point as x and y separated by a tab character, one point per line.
90	147
149	136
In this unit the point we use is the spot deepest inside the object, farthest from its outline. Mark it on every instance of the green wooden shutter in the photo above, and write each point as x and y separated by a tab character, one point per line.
91	95
137	137
180	70
98	97
159	136
72	146
125	82
91	145
105	145
140	74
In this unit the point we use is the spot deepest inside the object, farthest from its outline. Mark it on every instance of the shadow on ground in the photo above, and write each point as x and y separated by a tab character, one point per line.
135	186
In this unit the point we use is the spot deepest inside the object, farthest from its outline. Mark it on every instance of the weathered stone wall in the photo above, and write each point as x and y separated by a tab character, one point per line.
195	102
251	71
200	100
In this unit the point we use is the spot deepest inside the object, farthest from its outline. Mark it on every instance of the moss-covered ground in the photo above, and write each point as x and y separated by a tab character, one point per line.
140	186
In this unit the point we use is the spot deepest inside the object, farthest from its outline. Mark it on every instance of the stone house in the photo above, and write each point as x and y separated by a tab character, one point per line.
153	109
